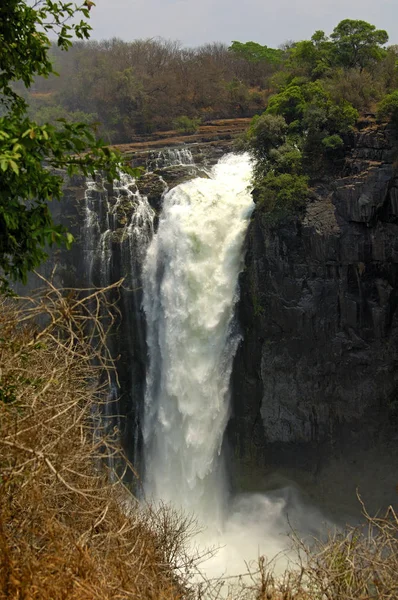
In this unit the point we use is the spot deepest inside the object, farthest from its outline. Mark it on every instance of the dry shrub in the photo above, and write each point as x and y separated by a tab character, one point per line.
361	88
360	563
66	530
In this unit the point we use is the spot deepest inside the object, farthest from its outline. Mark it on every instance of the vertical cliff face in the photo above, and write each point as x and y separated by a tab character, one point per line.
315	379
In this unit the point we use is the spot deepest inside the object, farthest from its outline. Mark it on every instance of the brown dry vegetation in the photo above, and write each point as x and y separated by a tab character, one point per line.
359	563
67	532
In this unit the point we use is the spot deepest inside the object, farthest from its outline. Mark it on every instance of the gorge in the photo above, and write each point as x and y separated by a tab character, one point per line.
314	376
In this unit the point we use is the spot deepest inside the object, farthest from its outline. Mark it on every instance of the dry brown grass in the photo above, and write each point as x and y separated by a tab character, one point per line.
359	564
66	532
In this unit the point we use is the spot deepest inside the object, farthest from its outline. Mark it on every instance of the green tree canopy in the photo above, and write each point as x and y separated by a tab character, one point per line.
29	153
314	55
358	43
254	52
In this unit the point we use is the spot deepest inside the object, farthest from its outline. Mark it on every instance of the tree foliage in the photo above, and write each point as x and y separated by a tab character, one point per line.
358	43
388	108
185	125
279	195
318	92
353	44
29	152
254	52
266	132
143	86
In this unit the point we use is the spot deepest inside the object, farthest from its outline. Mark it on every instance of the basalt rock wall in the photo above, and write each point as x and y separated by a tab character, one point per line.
315	379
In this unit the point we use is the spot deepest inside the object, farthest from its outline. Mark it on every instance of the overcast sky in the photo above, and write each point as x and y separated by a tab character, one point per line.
194	22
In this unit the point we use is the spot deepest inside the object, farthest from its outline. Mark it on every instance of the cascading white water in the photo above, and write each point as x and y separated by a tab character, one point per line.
117	218
170	157
190	289
101	221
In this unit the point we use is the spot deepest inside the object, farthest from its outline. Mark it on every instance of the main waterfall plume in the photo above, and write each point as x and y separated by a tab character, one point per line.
190	290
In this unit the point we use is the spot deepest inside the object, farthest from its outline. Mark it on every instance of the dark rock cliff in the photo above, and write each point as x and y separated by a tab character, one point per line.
315	394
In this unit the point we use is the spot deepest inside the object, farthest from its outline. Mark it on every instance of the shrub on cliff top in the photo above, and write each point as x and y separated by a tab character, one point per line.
280	195
186	125
388	108
266	132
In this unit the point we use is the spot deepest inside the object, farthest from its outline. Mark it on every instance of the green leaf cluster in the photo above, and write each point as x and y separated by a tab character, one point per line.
301	132
352	44
307	126
388	108
30	153
357	43
186	125
279	195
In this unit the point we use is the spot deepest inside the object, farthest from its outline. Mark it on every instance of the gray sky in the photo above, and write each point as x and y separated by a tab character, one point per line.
194	22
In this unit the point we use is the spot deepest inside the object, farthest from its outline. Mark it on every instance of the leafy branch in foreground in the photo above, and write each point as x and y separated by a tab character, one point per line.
29	153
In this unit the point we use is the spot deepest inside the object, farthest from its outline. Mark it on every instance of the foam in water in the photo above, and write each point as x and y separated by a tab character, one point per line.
170	157
117	212
101	222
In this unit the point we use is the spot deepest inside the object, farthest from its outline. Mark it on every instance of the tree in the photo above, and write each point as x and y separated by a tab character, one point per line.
30	153
266	132
358	43
314	56
254	52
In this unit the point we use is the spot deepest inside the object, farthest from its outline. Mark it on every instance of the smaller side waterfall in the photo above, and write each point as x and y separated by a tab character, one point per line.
170	157
115	213
117	230
190	289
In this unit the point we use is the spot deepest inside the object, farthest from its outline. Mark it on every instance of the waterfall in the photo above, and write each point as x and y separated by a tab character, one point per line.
190	290
118	227
170	157
188	271
118	210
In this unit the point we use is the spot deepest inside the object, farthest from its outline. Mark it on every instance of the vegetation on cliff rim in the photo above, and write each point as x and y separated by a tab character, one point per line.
186	125
143	86
308	125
